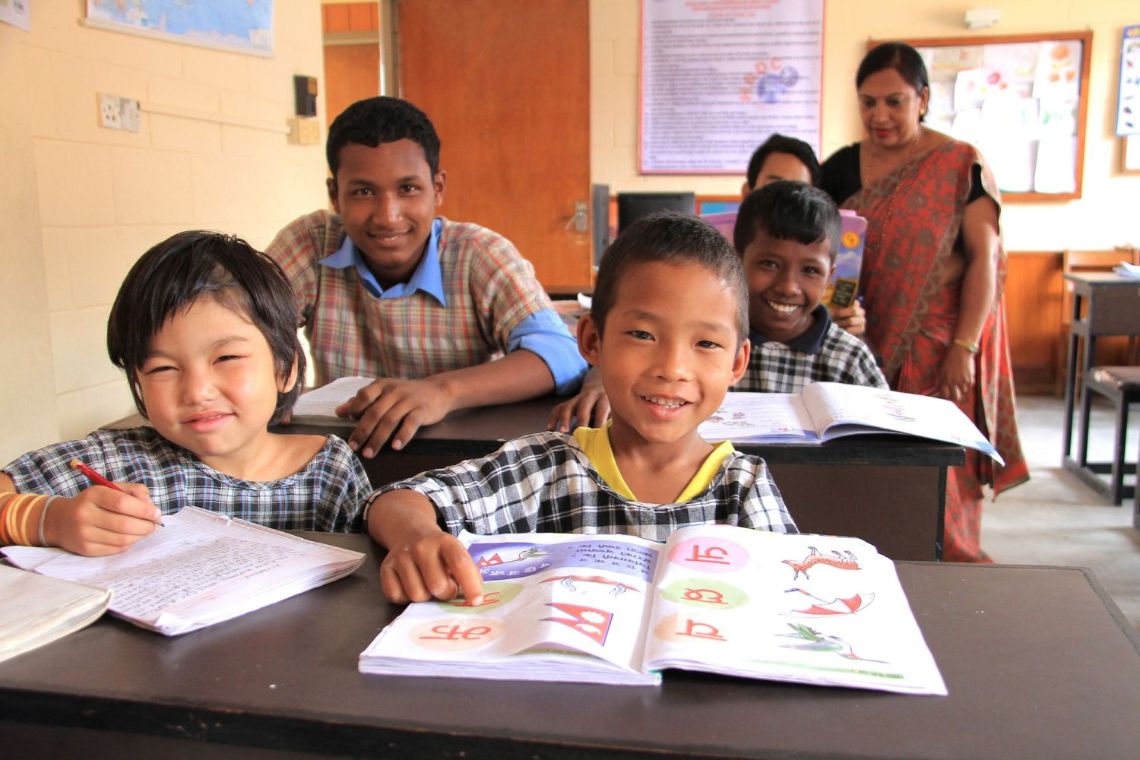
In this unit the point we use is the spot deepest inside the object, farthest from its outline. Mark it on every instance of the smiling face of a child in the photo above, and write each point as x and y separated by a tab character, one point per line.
210	386
387	196
786	280
669	354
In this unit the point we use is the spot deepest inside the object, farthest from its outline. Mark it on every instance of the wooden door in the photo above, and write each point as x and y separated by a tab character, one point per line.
507	85
351	33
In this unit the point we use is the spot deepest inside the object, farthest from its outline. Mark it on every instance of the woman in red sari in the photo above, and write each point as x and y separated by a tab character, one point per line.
933	272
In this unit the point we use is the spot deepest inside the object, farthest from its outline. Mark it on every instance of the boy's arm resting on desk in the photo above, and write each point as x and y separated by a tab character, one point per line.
396	409
423	561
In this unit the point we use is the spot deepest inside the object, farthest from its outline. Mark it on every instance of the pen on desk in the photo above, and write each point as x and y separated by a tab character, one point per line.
99	480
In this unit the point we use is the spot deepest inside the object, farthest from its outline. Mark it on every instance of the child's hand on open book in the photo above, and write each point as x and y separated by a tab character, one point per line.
434	566
101	520
423	562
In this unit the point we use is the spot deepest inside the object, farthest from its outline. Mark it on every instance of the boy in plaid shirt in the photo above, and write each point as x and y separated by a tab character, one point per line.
446	315
667	334
787	234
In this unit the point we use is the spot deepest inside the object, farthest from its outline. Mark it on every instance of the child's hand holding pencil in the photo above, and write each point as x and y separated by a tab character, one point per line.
104	519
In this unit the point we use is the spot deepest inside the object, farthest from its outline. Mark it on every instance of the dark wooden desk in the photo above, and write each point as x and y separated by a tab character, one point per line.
1104	303
1037	660
887	490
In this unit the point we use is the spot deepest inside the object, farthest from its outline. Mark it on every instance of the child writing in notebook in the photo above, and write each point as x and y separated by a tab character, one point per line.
205	328
667	334
787	235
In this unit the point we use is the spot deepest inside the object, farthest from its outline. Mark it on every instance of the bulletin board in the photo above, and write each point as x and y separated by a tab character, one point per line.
1021	99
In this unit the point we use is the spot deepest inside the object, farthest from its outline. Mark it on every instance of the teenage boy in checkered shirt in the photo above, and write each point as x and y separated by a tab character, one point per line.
667	334
446	315
788	235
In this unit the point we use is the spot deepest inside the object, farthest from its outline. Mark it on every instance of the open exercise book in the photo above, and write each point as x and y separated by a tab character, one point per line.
199	569
716	598
36	610
319	405
825	411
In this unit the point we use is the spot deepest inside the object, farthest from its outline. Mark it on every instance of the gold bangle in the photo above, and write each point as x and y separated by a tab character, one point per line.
973	348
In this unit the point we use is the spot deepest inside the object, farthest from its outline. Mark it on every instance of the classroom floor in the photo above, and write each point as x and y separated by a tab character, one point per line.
1055	519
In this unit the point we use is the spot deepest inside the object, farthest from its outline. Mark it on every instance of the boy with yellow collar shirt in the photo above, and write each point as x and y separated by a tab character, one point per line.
667	334
445	315
788	235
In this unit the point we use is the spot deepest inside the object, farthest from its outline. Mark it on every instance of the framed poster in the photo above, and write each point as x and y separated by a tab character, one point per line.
1021	99
242	27
718	78
1128	88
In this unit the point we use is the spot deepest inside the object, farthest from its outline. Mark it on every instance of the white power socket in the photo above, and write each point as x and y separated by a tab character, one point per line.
129	114
109	111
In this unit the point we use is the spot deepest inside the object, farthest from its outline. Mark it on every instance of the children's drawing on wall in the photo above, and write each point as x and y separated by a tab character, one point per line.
1018	102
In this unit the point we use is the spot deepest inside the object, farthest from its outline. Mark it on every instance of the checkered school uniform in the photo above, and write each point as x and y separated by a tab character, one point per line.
546	483
328	495
824	353
489	287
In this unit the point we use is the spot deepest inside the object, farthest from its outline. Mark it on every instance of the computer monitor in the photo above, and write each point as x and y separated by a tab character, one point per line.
634	206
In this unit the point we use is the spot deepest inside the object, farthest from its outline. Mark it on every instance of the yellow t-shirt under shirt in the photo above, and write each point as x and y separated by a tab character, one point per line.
595	442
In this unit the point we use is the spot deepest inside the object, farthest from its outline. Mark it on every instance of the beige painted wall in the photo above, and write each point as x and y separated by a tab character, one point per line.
80	203
1103	217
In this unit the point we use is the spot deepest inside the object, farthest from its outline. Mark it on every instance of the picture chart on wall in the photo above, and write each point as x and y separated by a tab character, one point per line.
1021	99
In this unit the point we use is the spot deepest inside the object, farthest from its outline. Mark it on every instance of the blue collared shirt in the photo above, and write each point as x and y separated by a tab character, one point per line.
543	333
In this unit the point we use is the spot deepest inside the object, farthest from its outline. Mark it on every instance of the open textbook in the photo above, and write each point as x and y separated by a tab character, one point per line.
199	569
36	610
824	411
717	598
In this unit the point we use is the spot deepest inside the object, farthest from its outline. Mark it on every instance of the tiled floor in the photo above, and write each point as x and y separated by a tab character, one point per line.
1055	519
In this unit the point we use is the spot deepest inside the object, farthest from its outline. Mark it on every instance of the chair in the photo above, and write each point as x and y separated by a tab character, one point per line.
1121	386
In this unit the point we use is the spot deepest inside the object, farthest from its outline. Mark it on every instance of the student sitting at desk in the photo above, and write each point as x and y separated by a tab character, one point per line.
205	328
446	315
787	234
667	334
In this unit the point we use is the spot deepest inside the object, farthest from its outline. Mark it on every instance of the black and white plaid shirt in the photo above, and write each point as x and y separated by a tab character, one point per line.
824	353
328	495
546	483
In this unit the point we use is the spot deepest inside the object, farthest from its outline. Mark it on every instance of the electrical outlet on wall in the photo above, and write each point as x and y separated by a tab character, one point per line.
129	114
109	111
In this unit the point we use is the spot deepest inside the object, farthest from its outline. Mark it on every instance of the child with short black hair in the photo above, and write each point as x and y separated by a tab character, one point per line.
444	315
205	328
780	157
788	235
667	334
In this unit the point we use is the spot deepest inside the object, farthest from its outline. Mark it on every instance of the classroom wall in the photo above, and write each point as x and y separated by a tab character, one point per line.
79	203
1105	216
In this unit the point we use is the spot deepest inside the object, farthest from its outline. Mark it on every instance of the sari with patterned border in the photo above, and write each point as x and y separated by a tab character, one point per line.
914	218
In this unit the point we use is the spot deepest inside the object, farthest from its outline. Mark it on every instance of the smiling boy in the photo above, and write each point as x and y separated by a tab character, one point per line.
445	315
666	331
788	235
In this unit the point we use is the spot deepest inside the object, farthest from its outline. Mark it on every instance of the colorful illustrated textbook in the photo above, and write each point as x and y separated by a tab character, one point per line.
844	284
199	569
807	609
822	412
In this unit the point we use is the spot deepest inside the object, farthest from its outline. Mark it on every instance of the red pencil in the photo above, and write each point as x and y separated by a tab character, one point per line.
93	476
98	479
